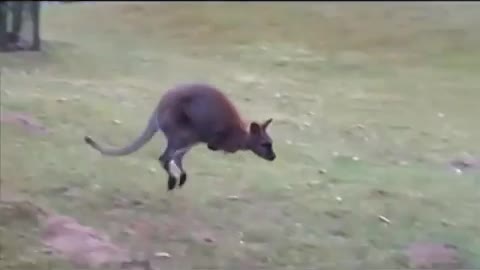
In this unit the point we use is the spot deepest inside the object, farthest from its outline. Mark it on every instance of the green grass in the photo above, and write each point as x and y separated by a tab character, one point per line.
366	80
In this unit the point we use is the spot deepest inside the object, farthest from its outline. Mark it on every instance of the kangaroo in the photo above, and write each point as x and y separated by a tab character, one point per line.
192	114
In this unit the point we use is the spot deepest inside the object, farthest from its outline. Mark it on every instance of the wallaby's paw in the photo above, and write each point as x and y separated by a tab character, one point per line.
183	179
171	183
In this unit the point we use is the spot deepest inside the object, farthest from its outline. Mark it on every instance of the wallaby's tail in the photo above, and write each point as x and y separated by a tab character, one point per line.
146	136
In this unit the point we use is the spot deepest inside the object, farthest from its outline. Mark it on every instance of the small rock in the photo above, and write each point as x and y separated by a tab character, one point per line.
278	95
163	255
288	142
307	124
322	171
152	170
458	171
282	61
62	189
447	223
311	113
384	219
380	192
335	154
118	122
62	99
233	197
338	199
441	115
247	78
208	239
403	163
333	214
339	233
137	202
47	251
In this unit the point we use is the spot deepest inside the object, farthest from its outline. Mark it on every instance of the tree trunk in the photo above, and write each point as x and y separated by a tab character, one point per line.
3	27
14	16
17	17
35	15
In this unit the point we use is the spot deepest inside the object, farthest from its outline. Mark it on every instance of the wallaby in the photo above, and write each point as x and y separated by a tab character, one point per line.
196	113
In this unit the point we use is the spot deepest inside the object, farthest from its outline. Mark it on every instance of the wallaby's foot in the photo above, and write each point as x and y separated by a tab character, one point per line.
174	172
171	183
183	179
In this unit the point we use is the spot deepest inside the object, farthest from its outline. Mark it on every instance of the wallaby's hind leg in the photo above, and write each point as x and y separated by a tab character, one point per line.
171	160
165	159
178	159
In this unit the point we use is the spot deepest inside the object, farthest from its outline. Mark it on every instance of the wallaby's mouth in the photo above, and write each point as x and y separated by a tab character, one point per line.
271	157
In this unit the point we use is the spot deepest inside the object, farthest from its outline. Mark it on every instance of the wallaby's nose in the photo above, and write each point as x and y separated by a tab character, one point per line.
272	157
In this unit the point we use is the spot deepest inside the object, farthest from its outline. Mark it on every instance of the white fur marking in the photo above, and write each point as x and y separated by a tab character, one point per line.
174	170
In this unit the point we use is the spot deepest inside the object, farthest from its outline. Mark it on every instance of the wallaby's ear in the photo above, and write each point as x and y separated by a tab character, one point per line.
267	123
255	128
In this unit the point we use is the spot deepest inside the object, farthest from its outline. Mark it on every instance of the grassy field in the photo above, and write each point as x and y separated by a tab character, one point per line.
370	102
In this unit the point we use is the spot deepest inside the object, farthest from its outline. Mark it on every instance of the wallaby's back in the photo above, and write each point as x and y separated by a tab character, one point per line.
199	107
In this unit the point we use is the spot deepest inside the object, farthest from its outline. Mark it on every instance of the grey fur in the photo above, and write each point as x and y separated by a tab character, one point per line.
150	130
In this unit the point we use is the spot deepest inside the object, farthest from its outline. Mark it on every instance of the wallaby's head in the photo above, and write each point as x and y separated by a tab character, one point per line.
259	142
